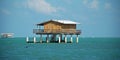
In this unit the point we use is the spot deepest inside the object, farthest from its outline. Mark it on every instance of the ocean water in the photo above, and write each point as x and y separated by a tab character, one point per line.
86	49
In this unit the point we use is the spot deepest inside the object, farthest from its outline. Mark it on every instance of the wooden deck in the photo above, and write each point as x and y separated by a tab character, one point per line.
56	31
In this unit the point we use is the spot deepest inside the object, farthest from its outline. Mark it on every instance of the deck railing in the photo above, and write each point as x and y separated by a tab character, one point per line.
39	31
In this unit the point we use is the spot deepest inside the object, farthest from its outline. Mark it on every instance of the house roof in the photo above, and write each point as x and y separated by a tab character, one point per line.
59	21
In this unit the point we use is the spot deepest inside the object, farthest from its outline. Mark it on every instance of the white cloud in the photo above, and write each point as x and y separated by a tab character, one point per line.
93	4
107	5
41	6
4	11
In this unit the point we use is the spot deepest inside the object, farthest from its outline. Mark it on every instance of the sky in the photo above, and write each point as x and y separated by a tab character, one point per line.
98	18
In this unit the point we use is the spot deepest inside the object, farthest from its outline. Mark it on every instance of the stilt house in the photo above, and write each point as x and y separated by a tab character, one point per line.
56	27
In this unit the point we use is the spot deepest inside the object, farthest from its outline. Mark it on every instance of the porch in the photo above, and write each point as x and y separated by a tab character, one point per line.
56	31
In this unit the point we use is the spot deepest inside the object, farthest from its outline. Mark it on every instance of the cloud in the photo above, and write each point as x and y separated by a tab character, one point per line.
107	5
6	12
93	4
41	6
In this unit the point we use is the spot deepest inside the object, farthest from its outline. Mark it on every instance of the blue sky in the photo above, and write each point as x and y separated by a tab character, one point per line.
98	18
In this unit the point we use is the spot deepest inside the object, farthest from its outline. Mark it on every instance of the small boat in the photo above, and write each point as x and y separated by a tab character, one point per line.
7	35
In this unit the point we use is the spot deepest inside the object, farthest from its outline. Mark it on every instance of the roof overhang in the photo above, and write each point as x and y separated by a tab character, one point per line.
59	21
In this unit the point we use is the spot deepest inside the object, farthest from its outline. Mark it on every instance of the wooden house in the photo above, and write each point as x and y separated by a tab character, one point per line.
57	27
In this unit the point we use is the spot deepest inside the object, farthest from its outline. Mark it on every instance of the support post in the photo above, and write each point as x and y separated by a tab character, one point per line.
47	38
27	39
41	38
34	39
71	39
59	39
77	39
65	39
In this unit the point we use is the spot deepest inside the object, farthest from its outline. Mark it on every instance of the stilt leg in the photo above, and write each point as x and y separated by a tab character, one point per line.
59	39
77	39
34	40
71	39
40	38
47	38
65	39
27	39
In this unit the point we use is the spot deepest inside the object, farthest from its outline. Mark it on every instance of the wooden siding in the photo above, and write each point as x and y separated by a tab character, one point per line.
57	27
52	26
69	26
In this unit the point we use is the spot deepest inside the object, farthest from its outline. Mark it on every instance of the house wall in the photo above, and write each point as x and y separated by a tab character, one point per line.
69	27
56	27
52	26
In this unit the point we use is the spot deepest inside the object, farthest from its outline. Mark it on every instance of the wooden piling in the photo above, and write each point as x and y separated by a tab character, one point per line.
59	38
34	39
47	39
65	39
71	39
77	39
41	38
27	39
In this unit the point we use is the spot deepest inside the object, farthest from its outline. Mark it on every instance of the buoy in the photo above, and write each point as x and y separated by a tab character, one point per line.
26	47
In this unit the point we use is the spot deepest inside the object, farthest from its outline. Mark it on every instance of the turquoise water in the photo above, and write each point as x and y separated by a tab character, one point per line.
86	49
